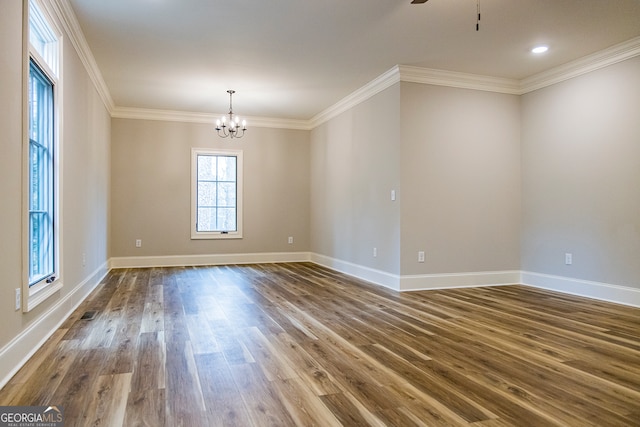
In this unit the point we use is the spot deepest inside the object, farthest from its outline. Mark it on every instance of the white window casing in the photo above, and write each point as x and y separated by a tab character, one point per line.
216	193
42	186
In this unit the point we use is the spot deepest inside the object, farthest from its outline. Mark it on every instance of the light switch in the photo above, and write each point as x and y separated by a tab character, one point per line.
568	259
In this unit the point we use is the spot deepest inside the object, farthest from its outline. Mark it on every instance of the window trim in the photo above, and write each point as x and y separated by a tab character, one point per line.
222	235
51	66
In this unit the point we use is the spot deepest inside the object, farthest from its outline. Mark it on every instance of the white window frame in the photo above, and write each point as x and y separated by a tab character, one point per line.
43	46
195	234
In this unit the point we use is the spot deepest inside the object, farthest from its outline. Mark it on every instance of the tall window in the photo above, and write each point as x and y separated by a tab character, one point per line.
41	176
41	172
216	194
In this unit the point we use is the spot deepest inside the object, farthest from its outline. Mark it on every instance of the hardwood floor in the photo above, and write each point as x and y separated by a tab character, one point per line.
297	344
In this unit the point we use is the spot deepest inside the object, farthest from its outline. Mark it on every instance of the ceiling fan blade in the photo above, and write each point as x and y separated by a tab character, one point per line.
419	1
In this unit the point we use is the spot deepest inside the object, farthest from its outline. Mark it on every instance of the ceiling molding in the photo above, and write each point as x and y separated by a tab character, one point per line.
165	115
267	122
67	18
375	86
612	55
411	74
406	73
206	118
459	80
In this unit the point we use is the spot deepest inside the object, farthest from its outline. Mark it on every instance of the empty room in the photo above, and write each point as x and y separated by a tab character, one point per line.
295	213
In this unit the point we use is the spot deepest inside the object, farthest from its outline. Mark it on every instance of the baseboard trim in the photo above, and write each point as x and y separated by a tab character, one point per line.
418	282
378	277
208	259
584	288
600	291
424	282
20	349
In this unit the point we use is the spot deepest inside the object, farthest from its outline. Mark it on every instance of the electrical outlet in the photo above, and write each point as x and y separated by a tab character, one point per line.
375	252
568	258
18	298
84	259
420	256
290	240
138	243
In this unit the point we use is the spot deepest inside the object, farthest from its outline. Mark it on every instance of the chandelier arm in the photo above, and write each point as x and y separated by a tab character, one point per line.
225	133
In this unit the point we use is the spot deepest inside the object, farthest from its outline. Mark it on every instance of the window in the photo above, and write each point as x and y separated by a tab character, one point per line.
41	172
41	176
216	194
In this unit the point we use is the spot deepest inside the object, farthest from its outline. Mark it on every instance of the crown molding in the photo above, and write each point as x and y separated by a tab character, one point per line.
164	115
375	86
612	55
459	80
206	118
67	17
276	123
406	73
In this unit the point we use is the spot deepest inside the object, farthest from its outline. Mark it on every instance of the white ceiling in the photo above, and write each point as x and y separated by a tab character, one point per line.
295	58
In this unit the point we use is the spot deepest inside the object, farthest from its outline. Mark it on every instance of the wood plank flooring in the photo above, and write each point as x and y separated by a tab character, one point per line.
297	344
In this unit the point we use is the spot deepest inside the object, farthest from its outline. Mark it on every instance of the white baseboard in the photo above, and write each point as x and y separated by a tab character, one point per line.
379	277
418	282
18	351
209	259
584	288
600	291
459	280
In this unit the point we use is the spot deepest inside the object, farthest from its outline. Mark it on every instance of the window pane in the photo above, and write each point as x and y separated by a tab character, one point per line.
207	194
207	168
226	219
41	239
35	177
206	219
226	168
40	107
227	194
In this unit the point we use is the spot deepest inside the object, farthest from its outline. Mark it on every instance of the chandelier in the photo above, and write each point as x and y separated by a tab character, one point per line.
229	125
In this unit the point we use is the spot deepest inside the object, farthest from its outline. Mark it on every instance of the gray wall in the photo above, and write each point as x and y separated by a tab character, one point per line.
355	163
581	176
460	180
10	165
85	155
151	173
453	157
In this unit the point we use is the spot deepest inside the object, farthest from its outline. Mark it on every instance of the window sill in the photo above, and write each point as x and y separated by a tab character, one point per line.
36	297
216	236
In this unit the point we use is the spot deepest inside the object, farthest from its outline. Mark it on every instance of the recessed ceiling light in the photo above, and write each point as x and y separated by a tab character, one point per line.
540	49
